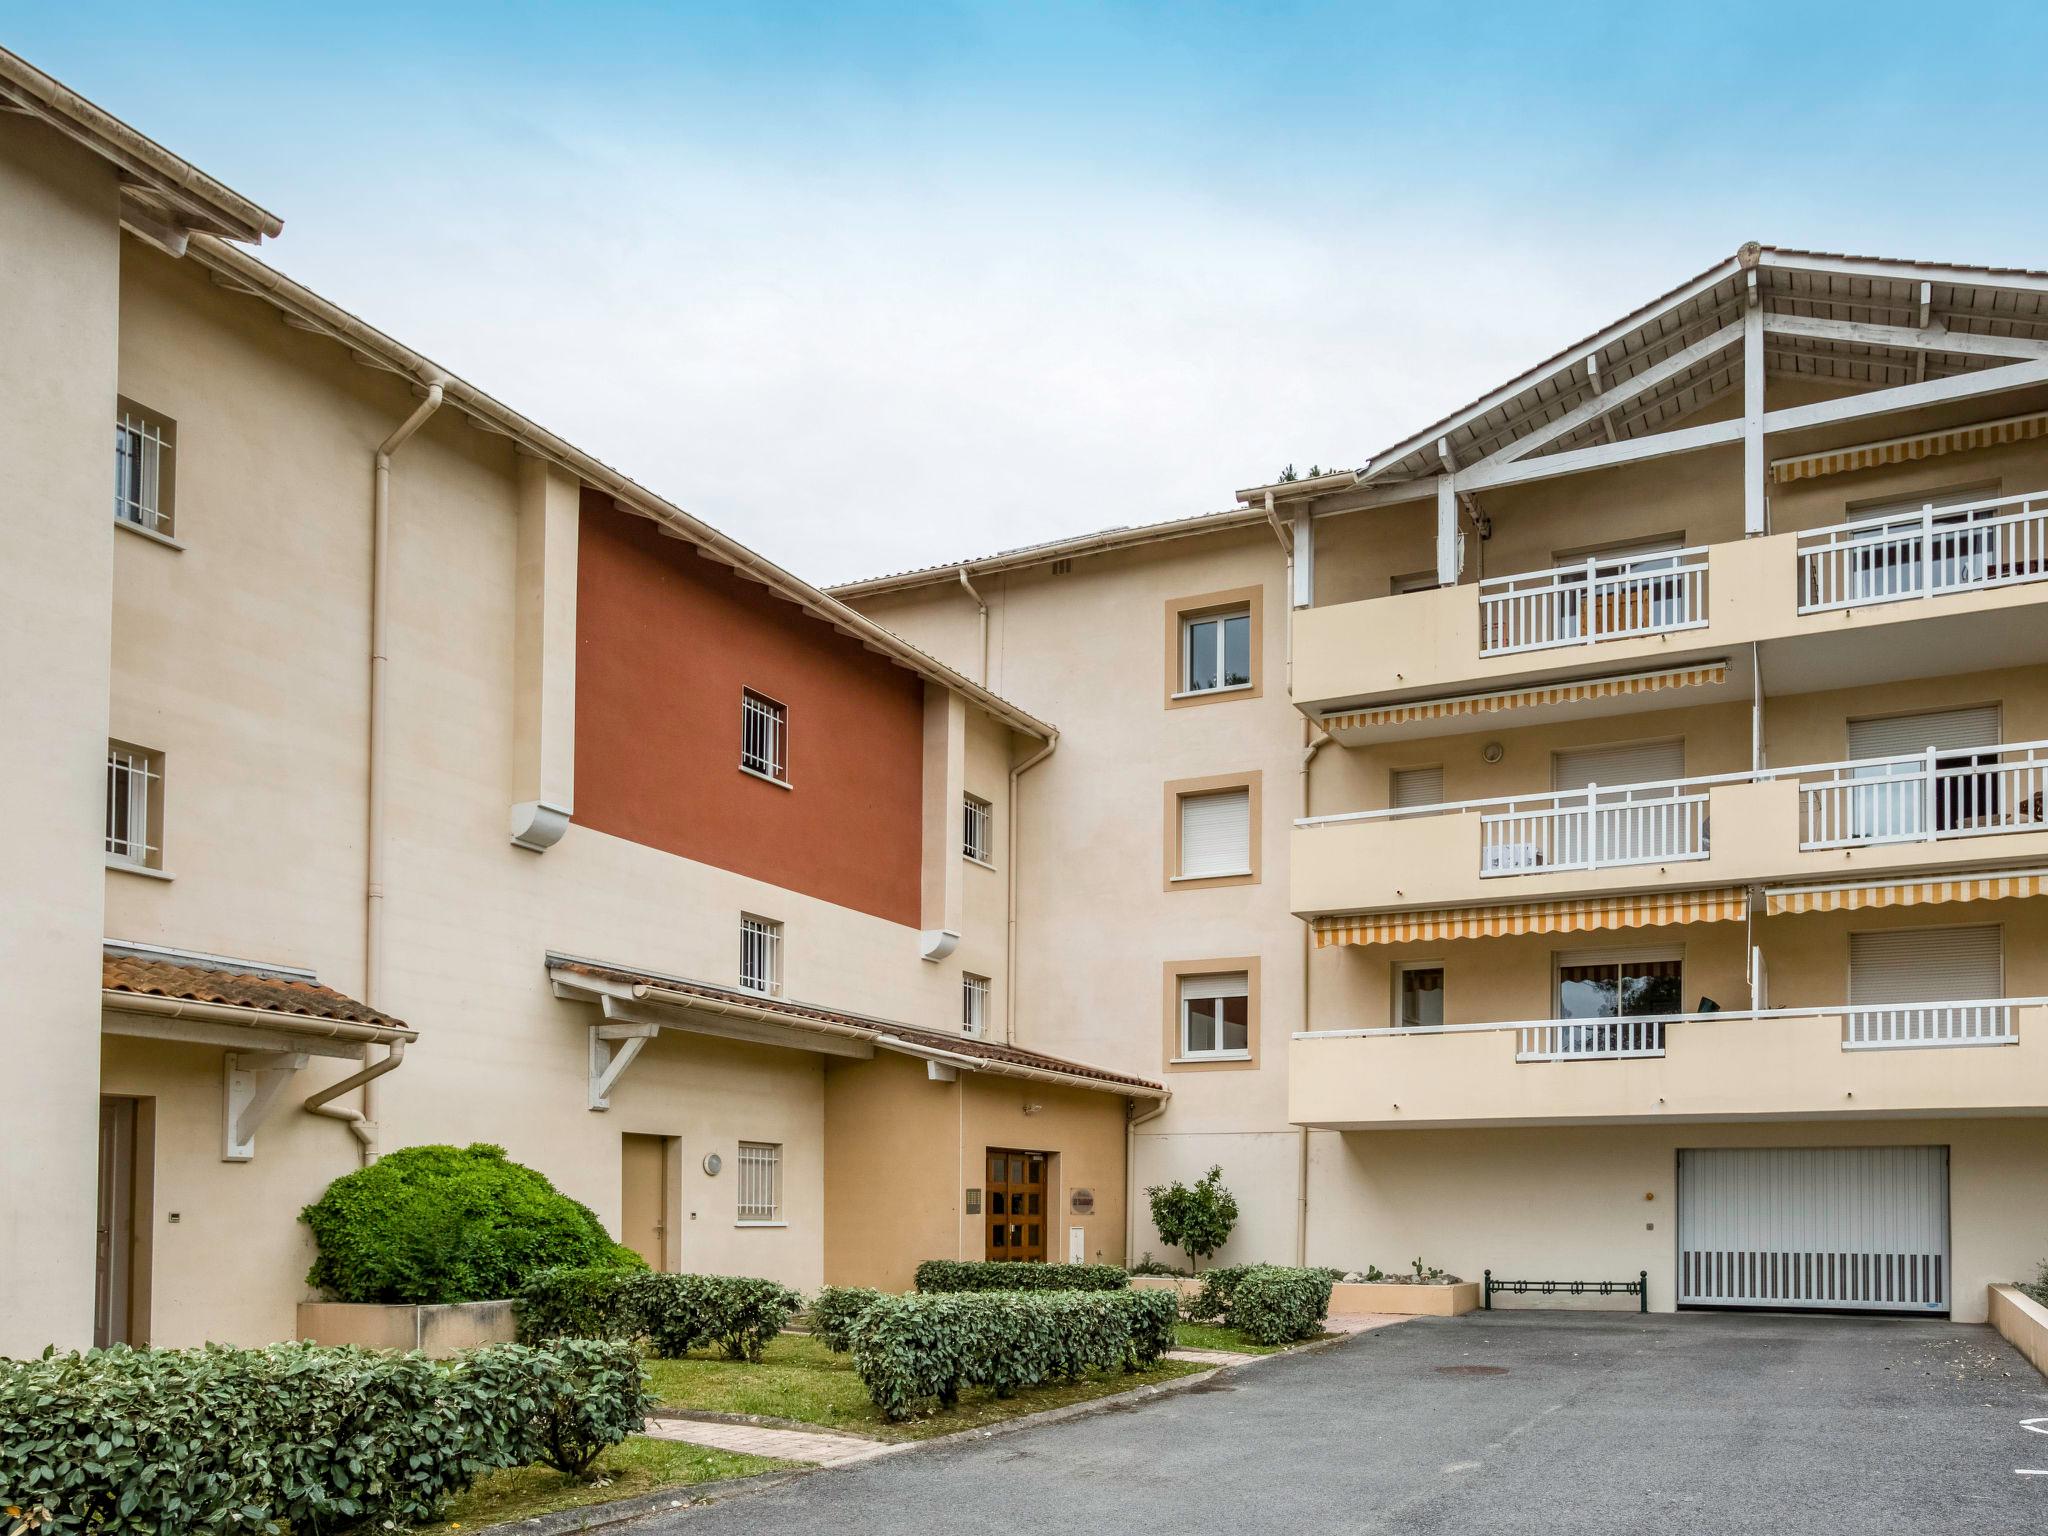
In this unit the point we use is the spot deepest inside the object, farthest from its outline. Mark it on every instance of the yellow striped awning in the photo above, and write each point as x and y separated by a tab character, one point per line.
1522	698
1907	450
1645	909
1855	896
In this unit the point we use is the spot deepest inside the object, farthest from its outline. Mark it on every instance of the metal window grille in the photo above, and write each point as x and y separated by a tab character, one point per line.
760	1181
975	826
141	470
130	776
973	1005
764	737
760	954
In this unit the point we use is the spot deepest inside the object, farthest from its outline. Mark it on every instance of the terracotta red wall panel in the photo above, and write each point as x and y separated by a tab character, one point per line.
665	642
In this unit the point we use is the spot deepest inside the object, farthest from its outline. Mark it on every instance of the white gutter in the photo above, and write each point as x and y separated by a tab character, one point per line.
365	1123
981	603
276	1020
358	1120
1131	1175
1010	874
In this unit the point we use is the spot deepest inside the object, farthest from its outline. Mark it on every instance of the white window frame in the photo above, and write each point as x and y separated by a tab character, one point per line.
1182	1000
977	830
145	484
974	992
764	737
1401	970
1566	959
1220	617
760	951
135	778
757	1185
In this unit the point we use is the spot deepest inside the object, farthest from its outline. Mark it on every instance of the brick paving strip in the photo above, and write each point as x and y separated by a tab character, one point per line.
820	1447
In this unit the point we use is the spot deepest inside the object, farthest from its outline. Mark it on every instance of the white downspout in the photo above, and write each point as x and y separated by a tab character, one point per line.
981	603
1131	1177
1010	869
365	1126
1308	755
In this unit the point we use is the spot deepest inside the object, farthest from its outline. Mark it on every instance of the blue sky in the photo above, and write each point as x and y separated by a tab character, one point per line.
876	286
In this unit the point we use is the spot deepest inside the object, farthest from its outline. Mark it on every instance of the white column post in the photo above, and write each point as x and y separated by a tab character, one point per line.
1304	559
1754	505
1447	562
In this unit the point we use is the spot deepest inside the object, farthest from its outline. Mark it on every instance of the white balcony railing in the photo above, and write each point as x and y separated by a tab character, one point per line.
1603	598
1863	1027
1931	796
1925	797
1925	553
1595	828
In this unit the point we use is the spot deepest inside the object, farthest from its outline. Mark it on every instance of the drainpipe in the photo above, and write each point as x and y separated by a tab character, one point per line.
1308	755
365	1122
1131	1125
982	604
358	1120
1010	866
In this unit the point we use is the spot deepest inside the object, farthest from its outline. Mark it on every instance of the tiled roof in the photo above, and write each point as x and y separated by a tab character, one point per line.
874	1029
192	981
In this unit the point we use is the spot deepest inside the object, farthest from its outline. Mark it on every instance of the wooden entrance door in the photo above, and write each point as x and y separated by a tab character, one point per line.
1017	1212
643	1197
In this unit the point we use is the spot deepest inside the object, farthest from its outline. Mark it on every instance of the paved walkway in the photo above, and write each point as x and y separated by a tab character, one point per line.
818	1446
1511	1423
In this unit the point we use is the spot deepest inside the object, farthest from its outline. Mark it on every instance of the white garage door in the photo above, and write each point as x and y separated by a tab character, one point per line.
1862	1227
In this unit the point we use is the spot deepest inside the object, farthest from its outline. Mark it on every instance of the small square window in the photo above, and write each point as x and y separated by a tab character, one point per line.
760	1181
1215	1017
1418	995
977	821
1216	652
760	954
973	1005
1215	835
143	482
1414	788
135	797
764	737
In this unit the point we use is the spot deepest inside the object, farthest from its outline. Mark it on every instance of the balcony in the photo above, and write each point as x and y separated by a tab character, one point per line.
1804	1062
1936	590
1925	811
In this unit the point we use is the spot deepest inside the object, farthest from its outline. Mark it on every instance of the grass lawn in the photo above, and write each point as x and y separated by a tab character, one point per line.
1215	1336
797	1378
632	1467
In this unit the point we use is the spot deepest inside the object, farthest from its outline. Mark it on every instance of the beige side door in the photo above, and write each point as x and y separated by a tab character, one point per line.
644	1197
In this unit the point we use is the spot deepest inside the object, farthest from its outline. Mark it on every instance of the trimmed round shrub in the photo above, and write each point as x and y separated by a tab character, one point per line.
1274	1304
832	1314
443	1224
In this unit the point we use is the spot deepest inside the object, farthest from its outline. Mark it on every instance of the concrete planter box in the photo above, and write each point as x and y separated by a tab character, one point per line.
438	1330
2023	1321
1180	1283
1352	1299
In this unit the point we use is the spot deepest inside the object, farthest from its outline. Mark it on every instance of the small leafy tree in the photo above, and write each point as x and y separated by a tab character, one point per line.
1196	1218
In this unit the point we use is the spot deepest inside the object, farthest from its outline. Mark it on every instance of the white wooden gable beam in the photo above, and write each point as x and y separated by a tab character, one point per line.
1603	405
1928	337
1892	272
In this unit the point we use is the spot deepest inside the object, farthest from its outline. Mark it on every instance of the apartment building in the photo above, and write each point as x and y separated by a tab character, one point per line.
388	770
1651	756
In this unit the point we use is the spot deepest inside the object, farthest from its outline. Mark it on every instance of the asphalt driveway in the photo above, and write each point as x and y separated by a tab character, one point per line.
1529	1421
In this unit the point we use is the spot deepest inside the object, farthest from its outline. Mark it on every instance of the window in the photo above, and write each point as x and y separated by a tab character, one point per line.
1414	581
1418	995
1624	984
1215	1017
764	737
977	826
973	1005
760	1183
135	781
142	469
1215	835
1417	787
760	954
1891	798
1216	652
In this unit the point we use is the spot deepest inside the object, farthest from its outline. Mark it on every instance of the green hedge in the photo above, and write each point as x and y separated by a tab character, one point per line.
1276	1305
444	1224
941	1276
224	1442
915	1352
674	1313
832	1314
1213	1300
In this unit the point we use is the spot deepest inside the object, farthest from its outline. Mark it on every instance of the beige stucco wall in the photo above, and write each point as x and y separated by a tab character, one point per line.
58	318
267	607
901	1149
1568	1202
1095	927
